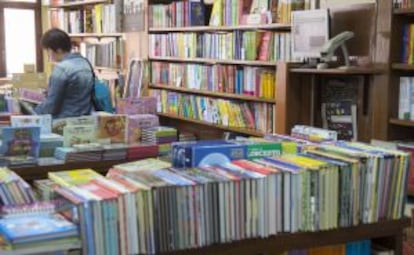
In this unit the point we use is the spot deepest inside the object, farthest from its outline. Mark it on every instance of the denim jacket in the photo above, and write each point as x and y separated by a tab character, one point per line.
70	87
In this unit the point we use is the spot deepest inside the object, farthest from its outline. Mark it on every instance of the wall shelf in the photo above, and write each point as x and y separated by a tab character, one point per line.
276	26
212	93
214	61
80	4
336	71
399	122
208	124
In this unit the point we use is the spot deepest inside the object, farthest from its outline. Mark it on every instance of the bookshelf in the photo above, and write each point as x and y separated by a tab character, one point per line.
80	4
222	34
95	27
388	233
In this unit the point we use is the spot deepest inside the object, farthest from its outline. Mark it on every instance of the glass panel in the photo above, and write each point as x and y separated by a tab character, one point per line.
20	46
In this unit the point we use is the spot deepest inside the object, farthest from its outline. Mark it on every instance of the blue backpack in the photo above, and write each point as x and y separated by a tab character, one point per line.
100	95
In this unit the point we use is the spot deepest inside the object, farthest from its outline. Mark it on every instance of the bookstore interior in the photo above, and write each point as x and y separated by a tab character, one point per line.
225	127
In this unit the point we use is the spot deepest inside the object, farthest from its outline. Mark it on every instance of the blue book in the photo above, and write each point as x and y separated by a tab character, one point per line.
193	154
31	228
20	142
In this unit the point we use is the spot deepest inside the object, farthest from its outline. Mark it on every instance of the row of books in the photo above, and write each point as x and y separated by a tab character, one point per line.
364	247
254	116
177	14
406	99
241	45
407	55
402	4
101	18
14	190
104	54
326	187
252	81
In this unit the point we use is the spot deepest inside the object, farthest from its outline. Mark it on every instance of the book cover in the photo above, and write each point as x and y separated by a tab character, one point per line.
137	122
78	134
192	154
43	121
73	177
142	105
20	141
36	228
113	127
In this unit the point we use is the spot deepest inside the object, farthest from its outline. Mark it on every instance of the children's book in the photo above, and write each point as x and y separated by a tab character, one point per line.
43	121
73	177
31	228
20	141
78	134
137	122
113	127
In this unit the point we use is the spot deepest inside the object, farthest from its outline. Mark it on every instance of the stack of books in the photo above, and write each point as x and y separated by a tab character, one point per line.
34	231
114	151
14	190
163	136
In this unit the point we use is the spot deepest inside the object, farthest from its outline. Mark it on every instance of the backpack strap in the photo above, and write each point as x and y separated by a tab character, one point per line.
93	97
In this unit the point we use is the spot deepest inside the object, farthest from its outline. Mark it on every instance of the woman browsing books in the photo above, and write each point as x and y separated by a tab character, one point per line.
71	81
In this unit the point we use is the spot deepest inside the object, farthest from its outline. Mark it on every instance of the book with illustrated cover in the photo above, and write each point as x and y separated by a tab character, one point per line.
341	117
73	177
31	228
142	105
43	121
113	127
78	134
137	122
31	95
20	142
59	124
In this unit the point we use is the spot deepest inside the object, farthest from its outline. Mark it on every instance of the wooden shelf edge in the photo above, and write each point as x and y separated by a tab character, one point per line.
404	11
92	35
402	67
278	26
336	71
283	242
237	130
399	122
79	4
212	93
215	61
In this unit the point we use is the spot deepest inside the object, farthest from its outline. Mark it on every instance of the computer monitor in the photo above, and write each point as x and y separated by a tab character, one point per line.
310	31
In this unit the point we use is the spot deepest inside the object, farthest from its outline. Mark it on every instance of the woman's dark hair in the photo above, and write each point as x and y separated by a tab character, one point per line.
56	39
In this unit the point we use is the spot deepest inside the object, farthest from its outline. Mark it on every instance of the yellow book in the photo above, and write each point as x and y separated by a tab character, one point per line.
98	18
216	18
73	177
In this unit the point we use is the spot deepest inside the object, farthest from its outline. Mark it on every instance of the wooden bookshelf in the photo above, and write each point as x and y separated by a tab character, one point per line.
208	124
337	71
80	4
32	173
405	11
212	94
276	26
214	61
107	69
96	35
389	233
399	122
402	67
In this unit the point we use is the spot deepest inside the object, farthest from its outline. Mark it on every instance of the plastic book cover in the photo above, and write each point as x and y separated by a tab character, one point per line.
78	134
113	127
204	153
43	121
137	122
142	105
20	141
36	228
73	177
